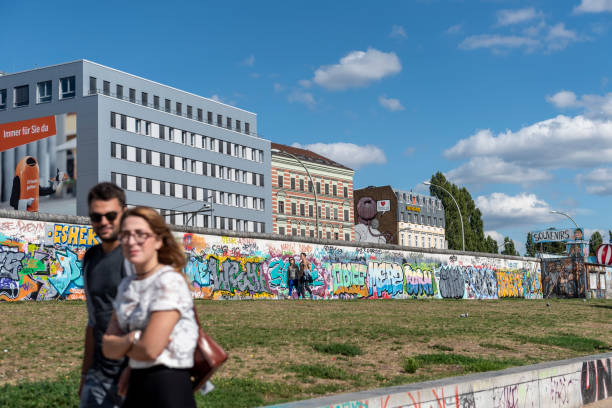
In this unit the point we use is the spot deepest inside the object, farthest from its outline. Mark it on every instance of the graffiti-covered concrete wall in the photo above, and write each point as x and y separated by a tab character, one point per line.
41	260
559	384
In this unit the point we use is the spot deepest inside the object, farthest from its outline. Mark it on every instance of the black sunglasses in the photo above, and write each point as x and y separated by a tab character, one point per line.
97	217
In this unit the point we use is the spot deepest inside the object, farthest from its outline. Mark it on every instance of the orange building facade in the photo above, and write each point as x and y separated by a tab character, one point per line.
293	195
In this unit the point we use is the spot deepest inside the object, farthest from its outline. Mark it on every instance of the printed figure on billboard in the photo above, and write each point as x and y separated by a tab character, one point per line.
367	228
26	189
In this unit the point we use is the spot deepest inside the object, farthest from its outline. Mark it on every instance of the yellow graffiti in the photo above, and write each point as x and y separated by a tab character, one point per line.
220	294
64	234
243	259
229	240
509	283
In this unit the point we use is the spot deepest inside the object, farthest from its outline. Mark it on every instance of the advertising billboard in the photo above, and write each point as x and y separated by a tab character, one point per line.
557	235
38	161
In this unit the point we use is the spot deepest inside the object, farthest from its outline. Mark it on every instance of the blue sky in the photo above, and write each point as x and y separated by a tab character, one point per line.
512	99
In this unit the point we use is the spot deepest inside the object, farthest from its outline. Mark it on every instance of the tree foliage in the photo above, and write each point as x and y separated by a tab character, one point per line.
530	246
509	248
491	245
472	217
595	241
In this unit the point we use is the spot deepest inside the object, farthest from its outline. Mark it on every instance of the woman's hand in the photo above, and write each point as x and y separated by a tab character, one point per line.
155	337
115	344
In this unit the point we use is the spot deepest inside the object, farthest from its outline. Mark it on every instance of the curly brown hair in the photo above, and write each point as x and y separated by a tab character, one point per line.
170	252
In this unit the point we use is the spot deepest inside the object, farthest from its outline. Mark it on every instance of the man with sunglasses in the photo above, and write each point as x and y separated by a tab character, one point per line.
103	270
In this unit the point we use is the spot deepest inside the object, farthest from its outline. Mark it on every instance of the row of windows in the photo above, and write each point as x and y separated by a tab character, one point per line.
146	128
169	161
44	93
416	199
414	218
302	211
302	232
235	124
432	242
209	221
326	186
169	189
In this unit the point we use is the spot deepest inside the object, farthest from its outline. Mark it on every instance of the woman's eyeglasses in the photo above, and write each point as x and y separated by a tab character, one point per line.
139	236
97	217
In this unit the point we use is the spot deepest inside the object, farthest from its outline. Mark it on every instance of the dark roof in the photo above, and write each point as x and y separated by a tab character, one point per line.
307	155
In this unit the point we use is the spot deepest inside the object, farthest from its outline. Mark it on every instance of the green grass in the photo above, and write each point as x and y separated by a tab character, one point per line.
441	347
568	341
467	363
60	392
344	349
320	371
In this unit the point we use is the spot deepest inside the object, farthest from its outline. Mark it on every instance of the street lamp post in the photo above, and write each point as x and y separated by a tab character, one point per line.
567	215
314	190
427	183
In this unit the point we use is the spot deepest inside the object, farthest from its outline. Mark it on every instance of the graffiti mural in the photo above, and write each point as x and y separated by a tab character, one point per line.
563	278
42	260
596	380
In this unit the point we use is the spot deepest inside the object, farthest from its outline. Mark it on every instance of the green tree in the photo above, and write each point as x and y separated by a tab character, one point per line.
509	247
595	241
491	245
472	217
558	248
610	236
530	246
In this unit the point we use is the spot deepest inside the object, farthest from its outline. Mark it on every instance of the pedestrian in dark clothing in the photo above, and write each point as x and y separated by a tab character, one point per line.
103	270
306	273
293	277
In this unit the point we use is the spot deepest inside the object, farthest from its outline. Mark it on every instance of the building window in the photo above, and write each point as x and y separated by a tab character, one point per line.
292	183
294	231
228	123
347	236
328	213
310	210
346	215
302	210
335	190
328	234
209	117
200	115
67	87
293	209
156	101
21	95
167	105
281	230
247	128
318	187
189	111
119	91
106	87
144	98
43	92
179	108
280	181
335	214
345	192
301	185
132	95
93	85
281	207
238	128
2	99
310	186
326	189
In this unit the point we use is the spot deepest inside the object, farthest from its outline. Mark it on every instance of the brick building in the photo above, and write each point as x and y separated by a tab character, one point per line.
293	194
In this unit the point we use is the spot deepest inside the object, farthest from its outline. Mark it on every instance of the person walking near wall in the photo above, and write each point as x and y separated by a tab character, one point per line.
103	270
306	272
293	277
154	321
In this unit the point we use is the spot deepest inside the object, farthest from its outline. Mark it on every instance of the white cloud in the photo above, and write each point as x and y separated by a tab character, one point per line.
563	99
558	37
358	68
508	17
597	181
391	104
498	237
409	151
278	87
594	6
302	97
398	31
455	29
560	142
595	106
249	61
500	210
216	98
498	42
348	154
304	83
486	169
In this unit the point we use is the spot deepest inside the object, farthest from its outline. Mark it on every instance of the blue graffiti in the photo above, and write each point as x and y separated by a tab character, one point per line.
70	276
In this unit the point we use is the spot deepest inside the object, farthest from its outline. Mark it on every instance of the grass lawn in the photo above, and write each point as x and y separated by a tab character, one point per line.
288	350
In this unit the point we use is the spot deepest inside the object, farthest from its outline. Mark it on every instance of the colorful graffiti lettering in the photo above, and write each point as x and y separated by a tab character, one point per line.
596	380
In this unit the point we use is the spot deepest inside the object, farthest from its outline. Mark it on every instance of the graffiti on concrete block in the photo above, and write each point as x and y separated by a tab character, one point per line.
452	284
596	380
420	281
563	278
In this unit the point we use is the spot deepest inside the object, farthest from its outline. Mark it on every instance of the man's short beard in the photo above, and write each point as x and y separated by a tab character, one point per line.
114	237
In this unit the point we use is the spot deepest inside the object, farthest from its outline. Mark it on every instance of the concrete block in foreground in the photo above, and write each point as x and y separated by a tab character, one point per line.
566	383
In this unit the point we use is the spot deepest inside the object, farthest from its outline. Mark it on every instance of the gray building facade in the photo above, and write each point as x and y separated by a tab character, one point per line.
172	150
421	220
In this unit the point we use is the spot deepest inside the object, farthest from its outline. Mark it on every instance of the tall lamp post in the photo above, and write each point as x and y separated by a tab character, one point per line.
567	215
314	190
427	183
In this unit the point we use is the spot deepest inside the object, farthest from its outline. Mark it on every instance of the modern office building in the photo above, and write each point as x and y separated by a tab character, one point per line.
198	161
295	196
386	215
420	220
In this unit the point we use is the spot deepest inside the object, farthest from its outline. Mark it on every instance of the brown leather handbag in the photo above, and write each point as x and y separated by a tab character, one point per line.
207	357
